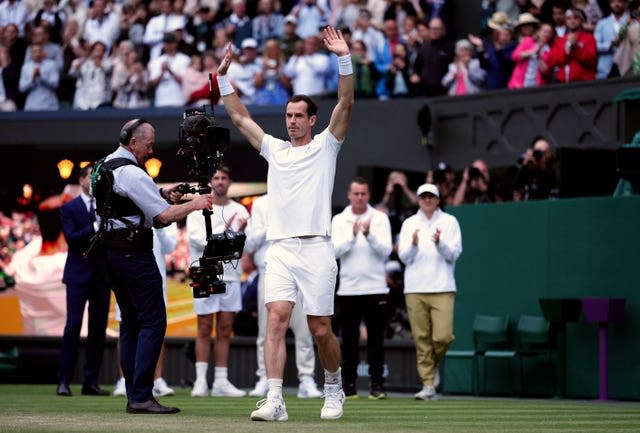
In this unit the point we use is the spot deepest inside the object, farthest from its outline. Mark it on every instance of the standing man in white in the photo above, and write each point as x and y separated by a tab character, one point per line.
257	245
300	263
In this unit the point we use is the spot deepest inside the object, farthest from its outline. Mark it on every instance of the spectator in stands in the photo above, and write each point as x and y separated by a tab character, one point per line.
398	10
606	34
52	17
558	10
311	17
242	72
165	74
203	95
39	79
398	77
592	13
361	237
526	72
365	73
345	14
73	47
102	25
40	35
200	28
409	30
14	12
495	51
442	9
238	25
627	57
373	38
307	68
9	82
465	76
432	61
546	36
273	87
133	18
17	45
220	41
93	73
75	10
430	244
194	76
574	55
399	201
158	26
476	186
289	38
130	81
445	179
536	178
268	24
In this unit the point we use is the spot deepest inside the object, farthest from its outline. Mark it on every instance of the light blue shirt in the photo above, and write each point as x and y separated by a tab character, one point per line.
41	91
605	32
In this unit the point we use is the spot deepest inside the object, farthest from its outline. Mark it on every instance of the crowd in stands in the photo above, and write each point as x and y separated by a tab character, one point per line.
139	53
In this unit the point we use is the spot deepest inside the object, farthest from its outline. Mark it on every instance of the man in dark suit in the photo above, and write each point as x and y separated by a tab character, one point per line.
85	282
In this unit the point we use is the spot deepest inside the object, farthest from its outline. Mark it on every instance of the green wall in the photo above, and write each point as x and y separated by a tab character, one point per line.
515	253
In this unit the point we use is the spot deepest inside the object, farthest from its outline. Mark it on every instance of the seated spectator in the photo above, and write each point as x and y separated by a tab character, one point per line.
311	17
273	87
365	74
242	72
606	34
495	51
14	12
93	75
574	55
465	76
476	185
268	24
307	68
432	61
628	55
39	79
536	178
102	25
10	74
165	74
525	72
130	81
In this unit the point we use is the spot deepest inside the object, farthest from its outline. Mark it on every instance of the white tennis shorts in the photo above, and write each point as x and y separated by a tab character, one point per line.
302	270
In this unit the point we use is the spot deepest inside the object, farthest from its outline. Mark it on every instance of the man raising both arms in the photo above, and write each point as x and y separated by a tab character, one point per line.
300	259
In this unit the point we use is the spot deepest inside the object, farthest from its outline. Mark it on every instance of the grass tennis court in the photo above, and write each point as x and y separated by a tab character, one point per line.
36	408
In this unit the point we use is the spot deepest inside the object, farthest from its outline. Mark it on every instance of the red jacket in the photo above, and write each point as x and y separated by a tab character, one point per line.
580	63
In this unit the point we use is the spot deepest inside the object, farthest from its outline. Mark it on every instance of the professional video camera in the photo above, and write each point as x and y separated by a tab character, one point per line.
201	147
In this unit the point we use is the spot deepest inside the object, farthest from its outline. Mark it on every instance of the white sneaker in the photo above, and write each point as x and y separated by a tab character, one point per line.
200	388
161	389
436	377
121	389
426	393
261	388
224	388
308	388
333	401
271	408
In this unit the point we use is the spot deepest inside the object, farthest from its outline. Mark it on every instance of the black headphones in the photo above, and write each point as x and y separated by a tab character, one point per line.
126	133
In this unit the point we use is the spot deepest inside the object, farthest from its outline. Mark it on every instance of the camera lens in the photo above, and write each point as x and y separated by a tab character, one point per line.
537	154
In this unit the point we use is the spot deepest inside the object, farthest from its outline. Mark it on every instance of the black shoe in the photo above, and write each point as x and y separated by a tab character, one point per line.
350	391
63	390
150	406
93	390
377	392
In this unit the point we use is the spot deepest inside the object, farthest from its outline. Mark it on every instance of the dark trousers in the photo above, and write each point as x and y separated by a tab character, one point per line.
96	292
353	310
138	288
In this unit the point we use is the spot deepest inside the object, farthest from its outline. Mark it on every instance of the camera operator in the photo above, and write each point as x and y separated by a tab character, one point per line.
227	214
476	185
137	205
445	179
398	202
536	178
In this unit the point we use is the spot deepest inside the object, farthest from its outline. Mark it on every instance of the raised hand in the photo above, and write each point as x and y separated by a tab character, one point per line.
224	64
334	41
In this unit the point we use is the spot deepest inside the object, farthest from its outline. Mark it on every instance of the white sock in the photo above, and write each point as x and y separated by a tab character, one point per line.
334	378
201	370
275	387
220	373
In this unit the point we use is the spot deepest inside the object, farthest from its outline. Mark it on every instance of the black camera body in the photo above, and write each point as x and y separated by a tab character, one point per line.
201	147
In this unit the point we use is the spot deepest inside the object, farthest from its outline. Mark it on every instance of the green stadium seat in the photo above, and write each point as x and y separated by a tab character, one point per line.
533	344
492	346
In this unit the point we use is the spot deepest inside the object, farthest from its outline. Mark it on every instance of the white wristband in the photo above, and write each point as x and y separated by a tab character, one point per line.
224	85
344	65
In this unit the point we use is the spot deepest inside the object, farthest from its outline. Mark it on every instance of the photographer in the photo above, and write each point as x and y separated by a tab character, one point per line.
227	214
536	178
398	202
130	208
476	185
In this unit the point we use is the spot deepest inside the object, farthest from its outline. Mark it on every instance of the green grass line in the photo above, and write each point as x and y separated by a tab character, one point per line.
36	408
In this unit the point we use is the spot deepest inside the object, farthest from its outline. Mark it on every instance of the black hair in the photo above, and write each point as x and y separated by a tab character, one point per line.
312	108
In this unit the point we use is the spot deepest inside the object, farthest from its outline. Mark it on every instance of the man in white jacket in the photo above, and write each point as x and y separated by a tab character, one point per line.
430	243
361	238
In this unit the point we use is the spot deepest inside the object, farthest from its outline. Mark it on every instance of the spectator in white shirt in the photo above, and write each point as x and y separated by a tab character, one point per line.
93	73
307	70
14	12
165	74
101	25
159	25
242	73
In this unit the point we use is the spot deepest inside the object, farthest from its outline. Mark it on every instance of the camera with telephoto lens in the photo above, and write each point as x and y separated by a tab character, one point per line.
201	147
